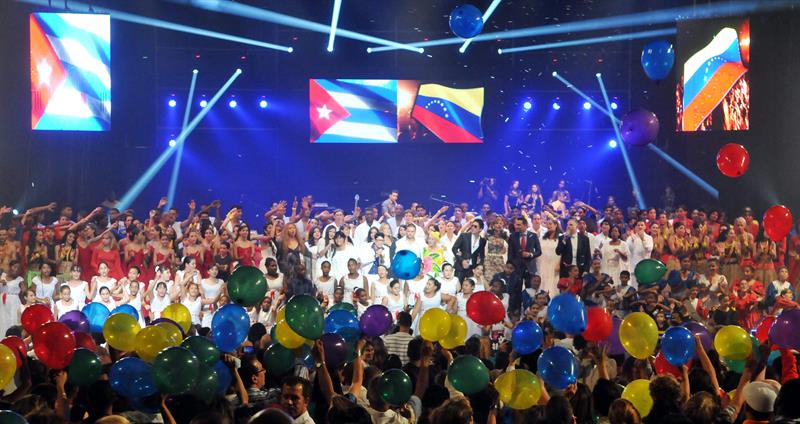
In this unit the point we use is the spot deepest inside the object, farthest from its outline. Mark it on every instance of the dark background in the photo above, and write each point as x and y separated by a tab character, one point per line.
255	157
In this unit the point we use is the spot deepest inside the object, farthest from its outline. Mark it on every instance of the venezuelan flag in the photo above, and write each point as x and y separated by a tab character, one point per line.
452	114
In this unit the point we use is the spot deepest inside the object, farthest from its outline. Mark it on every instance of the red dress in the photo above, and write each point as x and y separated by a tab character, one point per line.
111	258
85	261
208	260
245	255
201	264
138	261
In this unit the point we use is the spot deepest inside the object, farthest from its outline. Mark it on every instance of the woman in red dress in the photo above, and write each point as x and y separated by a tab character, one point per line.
135	256
209	249
86	244
192	247
162	255
108	252
747	293
244	250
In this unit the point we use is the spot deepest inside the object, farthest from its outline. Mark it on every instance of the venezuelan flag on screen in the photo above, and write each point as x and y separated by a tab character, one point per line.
452	114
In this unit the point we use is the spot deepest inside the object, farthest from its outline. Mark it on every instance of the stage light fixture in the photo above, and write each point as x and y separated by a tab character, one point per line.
172	102
614	105
612	144
172	142
263	103
528	105
233	103
556	106
587	105
203	103
15	211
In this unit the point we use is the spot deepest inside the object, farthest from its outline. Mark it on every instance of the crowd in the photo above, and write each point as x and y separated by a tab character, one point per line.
522	246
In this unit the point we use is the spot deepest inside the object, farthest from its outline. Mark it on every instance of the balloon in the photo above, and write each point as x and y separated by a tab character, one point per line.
658	57
484	308
247	286
11	417
97	314
54	345
612	341
526	337
639	335
733	342
224	376
468	374
126	309
639	127
339	319
649	271
179	313
733	160
76	321
207	384
177	326
305	316
519	389
85	341
85	367
150	341
777	222
567	314
203	349
558	367
638	393
735	366
457	334
664	367
376	321
394	387
434	324
762	328
35	316
175	370
598	324
229	327
406	265
678	345
466	21
343	306
278	360
698	329
132	378
287	337
8	365
17	346
784	332
335	350
173	332
120	331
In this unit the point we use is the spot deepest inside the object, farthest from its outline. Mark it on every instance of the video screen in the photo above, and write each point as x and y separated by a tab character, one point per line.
713	89
394	111
70	71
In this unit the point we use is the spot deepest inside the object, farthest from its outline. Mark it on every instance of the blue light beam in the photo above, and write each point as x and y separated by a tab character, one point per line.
337	6
593	40
176	166
486	16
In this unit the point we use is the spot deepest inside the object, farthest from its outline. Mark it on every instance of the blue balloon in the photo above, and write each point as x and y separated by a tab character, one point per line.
526	337
406	265
127	309
466	21
340	319
225	377
678	345
133	378
567	314
229	327
558	367
97	314
658	56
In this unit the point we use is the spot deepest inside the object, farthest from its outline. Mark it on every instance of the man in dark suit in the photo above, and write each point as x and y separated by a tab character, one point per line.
523	249
469	249
574	250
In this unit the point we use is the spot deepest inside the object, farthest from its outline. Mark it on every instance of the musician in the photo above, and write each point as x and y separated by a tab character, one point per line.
574	249
523	249
469	249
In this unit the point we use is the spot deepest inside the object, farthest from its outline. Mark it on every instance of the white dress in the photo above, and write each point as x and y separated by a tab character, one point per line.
546	266
427	303
327	287
79	293
473	329
447	246
111	304
612	263
9	304
136	302
62	309
415	289
211	291
45	291
449	286
350	286
157	305
274	286
395	307
100	284
339	261
194	307
380	291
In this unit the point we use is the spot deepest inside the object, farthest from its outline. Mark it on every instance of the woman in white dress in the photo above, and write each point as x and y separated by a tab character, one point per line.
614	254
188	272
432	297
414	288
467	288
133	296
395	300
79	289
313	247
158	299
275	280
324	283
66	303
11	285
340	254
104	298
193	301
210	290
450	283
102	280
479	277
353	280
44	285
28	299
379	288
267	312
548	263
447	240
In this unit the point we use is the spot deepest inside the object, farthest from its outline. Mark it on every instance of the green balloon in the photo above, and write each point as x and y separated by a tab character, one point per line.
85	367
11	417
175	370
247	286
204	349
305	317
278	359
207	384
394	387
649	271
468	374
344	306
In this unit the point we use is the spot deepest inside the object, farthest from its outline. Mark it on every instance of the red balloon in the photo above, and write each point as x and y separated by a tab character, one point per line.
762	329
664	367
485	308
733	160
598	324
17	345
54	345
85	341
35	316
778	222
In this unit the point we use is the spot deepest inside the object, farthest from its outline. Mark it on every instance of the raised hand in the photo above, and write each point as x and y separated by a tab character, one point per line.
162	202
192	205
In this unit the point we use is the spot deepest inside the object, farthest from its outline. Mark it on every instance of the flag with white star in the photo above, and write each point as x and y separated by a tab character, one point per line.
353	111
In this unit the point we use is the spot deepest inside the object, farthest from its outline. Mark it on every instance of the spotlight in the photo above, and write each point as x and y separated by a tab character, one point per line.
614	105
263	103
587	105
612	144
194	71
203	103
232	104
172	142
15	211
172	102
527	105
290	49
556	106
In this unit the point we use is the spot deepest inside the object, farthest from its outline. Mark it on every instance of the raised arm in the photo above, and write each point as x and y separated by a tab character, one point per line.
708	367
323	376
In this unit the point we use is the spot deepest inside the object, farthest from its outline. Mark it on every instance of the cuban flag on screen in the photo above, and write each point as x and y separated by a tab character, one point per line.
353	111
708	77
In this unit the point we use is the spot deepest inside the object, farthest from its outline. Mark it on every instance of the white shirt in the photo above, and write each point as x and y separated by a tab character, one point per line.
640	250
362	231
573	241
416	246
368	257
303	419
447	245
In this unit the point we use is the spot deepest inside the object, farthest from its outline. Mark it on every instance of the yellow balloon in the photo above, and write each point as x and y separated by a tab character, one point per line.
152	340
179	313
519	389
173	334
120	331
8	365
287	337
281	315
732	394
434	324
733	342
457	334
638	393
638	333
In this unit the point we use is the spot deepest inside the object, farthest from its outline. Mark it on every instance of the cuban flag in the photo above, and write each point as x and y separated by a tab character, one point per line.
452	114
70	60
709	75
353	111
